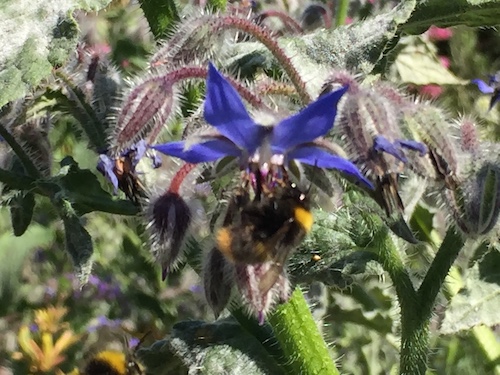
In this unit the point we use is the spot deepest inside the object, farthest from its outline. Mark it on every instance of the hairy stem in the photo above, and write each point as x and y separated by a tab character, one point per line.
28	165
414	329
265	37
302	343
435	276
83	112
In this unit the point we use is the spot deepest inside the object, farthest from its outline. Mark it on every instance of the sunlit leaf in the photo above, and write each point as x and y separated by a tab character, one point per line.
418	63
39	36
479	301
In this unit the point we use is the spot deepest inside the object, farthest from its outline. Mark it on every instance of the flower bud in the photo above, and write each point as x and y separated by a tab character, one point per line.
218	280
259	301
170	219
475	203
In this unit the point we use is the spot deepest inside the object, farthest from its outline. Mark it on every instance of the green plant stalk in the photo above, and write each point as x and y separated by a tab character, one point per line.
303	346
161	15
341	15
414	330
439	269
30	167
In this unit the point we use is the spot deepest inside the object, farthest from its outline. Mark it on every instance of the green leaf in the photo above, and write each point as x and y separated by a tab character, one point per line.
475	13
478	302
210	348
418	63
21	212
82	188
78	241
37	36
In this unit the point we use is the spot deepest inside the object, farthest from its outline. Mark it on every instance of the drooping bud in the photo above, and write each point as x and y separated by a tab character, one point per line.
316	16
369	126
475	203
468	135
428	124
170	218
218	280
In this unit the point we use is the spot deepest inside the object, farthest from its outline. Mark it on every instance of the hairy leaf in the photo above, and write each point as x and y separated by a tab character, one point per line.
479	301
209	348
441	13
36	36
78	242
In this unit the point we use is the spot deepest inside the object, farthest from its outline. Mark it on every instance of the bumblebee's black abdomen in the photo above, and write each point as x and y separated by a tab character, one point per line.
100	367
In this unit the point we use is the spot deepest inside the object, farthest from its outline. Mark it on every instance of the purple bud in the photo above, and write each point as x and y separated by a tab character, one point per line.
146	108
170	219
316	16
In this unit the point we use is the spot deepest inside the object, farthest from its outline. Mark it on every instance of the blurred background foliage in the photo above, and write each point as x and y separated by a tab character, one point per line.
125	296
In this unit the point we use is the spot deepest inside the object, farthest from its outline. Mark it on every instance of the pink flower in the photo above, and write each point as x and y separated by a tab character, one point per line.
437	34
431	91
445	61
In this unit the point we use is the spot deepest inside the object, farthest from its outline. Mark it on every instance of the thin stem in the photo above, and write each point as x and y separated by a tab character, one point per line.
302	343
341	15
265	37
434	279
28	165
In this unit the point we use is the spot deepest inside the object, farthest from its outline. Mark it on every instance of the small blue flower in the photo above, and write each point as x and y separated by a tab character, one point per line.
492	87
382	144
240	137
107	166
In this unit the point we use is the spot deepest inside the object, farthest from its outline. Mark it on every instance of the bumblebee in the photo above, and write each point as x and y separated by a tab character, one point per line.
114	362
128	181
266	228
110	362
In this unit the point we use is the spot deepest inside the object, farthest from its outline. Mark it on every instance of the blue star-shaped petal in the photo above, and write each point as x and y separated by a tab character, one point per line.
240	137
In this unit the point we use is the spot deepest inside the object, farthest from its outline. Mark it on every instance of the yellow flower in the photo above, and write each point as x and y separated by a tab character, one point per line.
49	320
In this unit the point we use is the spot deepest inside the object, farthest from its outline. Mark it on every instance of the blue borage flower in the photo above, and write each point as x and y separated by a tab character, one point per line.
492	87
240	137
382	144
108	166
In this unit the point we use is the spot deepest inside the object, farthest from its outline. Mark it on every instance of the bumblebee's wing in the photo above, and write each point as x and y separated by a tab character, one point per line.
280	256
